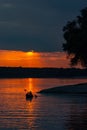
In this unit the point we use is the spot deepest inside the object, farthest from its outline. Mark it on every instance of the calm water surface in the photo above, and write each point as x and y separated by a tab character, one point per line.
46	112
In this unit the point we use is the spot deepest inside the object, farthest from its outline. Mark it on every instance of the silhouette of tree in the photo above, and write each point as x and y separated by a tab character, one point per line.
75	35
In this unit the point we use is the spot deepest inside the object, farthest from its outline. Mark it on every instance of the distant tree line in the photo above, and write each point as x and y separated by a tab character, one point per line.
19	72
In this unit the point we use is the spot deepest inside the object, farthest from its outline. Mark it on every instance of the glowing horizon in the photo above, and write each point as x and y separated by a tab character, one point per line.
10	58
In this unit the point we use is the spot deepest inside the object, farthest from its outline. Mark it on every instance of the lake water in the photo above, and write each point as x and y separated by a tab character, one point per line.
46	112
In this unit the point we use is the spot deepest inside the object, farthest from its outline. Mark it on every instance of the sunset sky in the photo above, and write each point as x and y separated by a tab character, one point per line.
37	25
33	59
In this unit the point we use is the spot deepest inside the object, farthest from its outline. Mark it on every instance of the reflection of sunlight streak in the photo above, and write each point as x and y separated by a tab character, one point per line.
31	117
30	84
30	106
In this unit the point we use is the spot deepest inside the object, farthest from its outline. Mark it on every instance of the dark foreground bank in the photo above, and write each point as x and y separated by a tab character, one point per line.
67	89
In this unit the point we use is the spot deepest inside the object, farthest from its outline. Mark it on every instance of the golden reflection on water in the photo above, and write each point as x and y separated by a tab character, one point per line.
18	85
31	109
31	85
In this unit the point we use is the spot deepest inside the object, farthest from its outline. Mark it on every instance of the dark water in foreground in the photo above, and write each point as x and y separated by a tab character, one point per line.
46	112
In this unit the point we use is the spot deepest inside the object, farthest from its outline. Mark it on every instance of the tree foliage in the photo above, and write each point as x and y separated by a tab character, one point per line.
75	35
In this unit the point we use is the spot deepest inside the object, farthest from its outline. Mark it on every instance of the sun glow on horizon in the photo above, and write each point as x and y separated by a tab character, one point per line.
30	53
10	58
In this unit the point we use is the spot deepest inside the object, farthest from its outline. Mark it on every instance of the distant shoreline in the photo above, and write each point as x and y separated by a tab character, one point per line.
67	89
20	72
